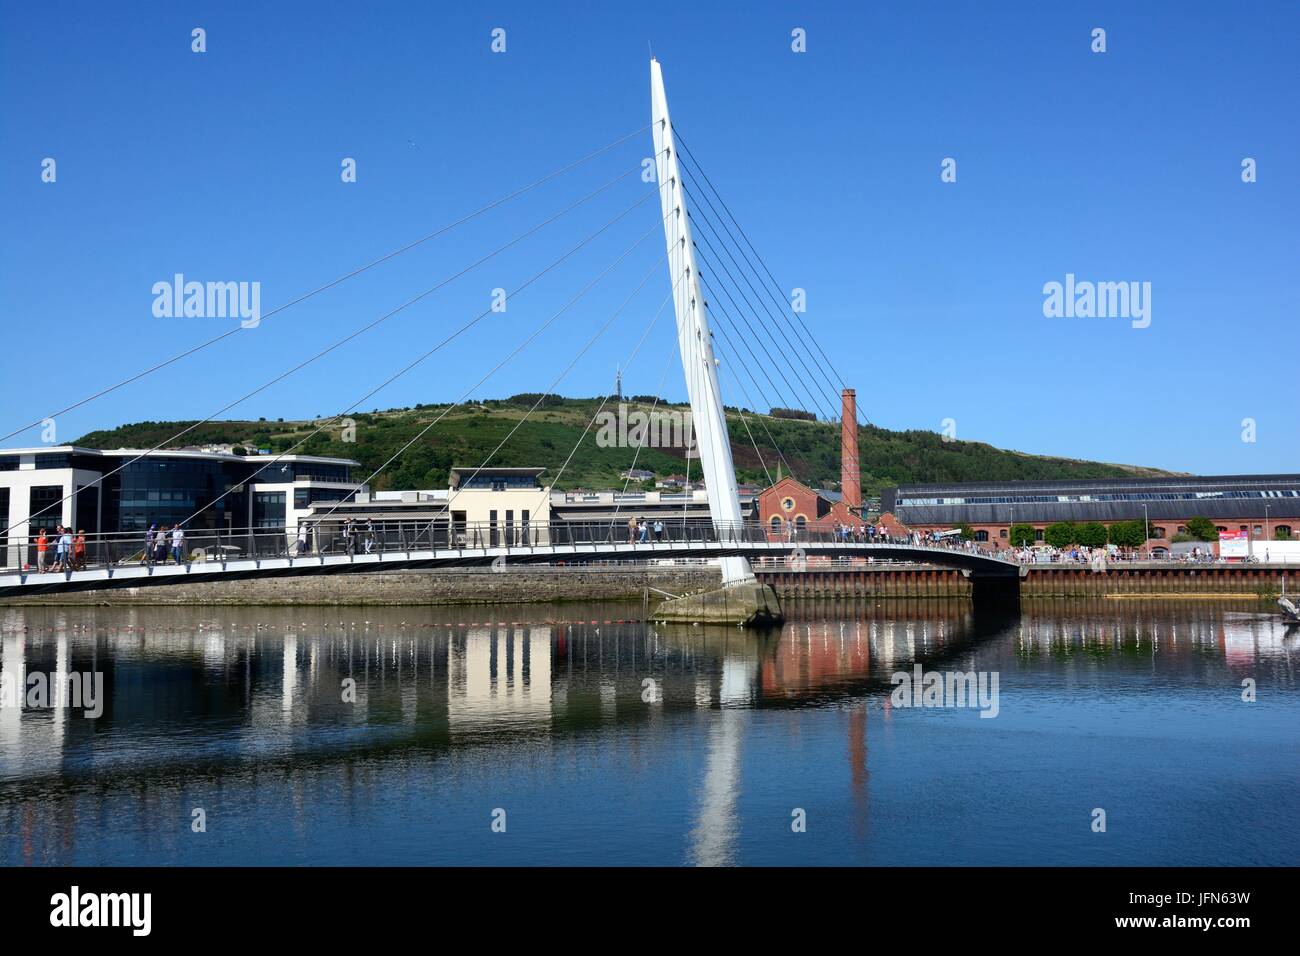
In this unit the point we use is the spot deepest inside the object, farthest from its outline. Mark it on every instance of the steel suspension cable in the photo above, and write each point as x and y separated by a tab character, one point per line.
796	338
336	281
424	431
774	284
762	419
817	408
745	421
605	399
721	310
556	381
355	334
420	359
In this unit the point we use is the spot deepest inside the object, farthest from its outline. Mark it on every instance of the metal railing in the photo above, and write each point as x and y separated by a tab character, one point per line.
331	537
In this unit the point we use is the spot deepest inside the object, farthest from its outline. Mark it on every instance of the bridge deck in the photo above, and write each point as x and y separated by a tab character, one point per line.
139	575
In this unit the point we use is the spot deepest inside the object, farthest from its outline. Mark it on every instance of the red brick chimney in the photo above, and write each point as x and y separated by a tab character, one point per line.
850	475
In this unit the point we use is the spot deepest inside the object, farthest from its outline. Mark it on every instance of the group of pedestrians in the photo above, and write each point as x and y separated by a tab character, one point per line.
352	531
863	533
69	551
640	531
353	534
159	543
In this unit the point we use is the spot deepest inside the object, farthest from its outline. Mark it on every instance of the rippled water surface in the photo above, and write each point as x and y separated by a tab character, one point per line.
378	736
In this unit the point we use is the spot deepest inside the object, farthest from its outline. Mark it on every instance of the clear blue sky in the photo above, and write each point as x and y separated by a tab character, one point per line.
225	166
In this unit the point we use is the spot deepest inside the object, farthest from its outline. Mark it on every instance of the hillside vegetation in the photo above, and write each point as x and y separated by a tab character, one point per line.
467	435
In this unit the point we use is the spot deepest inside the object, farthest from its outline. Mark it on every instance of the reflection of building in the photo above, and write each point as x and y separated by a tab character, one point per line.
499	673
1264	506
110	491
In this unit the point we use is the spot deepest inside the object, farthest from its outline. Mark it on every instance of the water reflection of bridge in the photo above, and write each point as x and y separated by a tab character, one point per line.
425	689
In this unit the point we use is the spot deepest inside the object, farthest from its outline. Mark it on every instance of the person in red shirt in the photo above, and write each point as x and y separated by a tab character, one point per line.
42	547
79	551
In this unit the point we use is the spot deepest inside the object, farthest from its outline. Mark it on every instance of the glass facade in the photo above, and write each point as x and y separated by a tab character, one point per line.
204	492
45	507
305	471
85	515
169	491
268	509
306	497
499	482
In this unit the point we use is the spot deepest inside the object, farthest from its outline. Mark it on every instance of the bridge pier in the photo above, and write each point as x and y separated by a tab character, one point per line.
995	590
745	603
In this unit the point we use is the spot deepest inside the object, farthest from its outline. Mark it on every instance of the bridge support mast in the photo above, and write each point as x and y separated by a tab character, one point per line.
708	418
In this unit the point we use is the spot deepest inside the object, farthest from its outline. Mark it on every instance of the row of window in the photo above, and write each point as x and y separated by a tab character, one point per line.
905	502
799	522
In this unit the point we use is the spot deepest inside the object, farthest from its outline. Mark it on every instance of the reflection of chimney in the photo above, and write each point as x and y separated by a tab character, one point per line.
850	476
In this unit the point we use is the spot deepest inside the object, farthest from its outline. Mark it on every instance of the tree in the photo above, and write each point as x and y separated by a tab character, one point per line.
1022	535
967	532
1091	534
1061	534
1202	529
1128	534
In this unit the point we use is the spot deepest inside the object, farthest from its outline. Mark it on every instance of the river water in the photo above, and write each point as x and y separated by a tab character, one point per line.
559	735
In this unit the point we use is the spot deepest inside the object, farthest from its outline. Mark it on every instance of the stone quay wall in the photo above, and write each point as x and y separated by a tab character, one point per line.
513	586
521	585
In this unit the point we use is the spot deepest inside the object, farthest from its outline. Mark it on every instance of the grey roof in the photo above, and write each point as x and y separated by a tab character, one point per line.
1056	486
1246	497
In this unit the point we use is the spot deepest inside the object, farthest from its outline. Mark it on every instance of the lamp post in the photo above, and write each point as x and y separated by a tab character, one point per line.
1146	527
1267	534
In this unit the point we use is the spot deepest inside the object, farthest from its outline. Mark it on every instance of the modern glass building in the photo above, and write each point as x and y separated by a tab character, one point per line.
126	490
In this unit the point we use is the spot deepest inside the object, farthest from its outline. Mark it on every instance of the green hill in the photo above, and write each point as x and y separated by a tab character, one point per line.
467	434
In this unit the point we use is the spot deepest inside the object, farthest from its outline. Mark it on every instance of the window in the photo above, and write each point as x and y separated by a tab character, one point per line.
981	535
1038	534
268	509
800	522
86	509
1281	531
1002	533
787	504
1157	532
776	522
45	507
1182	529
1259	529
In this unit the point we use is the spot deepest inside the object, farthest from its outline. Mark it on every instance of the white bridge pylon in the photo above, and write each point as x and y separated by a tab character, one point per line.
693	336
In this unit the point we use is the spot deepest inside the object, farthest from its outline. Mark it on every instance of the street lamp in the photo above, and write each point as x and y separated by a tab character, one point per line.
1267	534
1146	525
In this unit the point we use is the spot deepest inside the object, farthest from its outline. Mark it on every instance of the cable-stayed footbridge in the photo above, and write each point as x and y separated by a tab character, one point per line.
761	341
